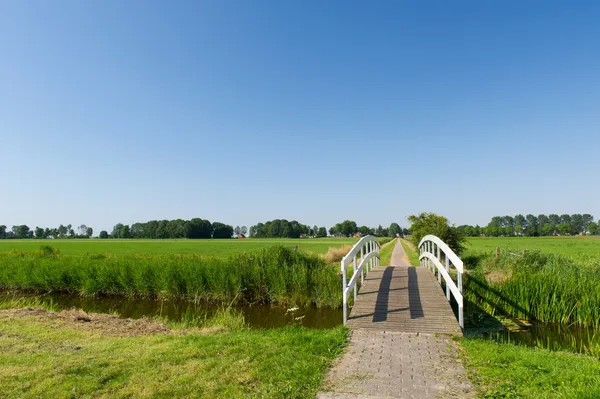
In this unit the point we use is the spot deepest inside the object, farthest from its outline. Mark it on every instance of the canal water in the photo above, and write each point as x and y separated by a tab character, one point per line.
553	337
256	316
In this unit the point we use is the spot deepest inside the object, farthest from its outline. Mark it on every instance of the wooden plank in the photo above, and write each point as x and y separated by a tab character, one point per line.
401	298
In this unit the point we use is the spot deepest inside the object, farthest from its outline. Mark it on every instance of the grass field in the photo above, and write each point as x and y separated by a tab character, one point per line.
43	356
221	248
574	247
510	371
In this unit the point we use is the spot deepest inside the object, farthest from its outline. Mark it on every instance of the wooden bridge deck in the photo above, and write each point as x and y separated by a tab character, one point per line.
404	299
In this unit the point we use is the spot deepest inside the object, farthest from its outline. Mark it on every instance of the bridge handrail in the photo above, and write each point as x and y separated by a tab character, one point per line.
368	248
456	261
429	258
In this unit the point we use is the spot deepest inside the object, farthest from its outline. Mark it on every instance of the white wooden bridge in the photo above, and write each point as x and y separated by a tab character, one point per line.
401	322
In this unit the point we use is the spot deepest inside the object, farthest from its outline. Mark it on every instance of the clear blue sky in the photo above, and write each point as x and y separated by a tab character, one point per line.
319	111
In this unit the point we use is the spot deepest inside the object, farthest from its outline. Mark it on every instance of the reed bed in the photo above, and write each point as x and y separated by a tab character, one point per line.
537	286
273	275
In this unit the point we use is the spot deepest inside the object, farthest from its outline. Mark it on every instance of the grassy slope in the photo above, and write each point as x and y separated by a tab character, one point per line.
219	248
47	359
410	252
386	253
575	247
509	371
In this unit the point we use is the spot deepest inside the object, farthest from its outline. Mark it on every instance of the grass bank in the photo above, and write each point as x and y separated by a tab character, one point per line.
386	252
510	371
67	357
410	252
274	275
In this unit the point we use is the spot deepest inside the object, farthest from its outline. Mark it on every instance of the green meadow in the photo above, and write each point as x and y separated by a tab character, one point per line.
574	247
220	248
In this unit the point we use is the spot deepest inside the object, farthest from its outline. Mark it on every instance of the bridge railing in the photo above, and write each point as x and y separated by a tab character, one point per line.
431	249
363	256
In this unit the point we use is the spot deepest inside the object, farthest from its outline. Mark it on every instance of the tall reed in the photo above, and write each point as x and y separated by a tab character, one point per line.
273	275
537	286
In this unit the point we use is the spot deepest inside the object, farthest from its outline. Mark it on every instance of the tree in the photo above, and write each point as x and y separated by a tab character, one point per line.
3	231
430	223
542	220
576	224
593	228
39	233
394	230
103	234
244	230
587	220
82	230
22	231
62	231
364	230
532	226
322	232
221	230
237	230
520	224
564	228
89	232
116	232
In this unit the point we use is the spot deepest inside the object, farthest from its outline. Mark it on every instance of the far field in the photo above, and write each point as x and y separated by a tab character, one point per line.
573	247
220	248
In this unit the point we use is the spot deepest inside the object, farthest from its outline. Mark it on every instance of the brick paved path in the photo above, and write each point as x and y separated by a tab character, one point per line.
382	364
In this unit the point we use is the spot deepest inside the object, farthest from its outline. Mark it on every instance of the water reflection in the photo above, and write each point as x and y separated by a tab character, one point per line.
256	316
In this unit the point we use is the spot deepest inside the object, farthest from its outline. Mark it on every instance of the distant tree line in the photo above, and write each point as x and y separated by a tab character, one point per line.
203	229
281	228
159	229
534	226
348	228
62	231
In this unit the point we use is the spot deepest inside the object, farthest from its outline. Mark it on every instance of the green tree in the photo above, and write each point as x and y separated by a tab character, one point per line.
222	230
587	220
322	232
2	231
244	230
520	224
89	232
22	231
531	230
39	233
103	234
394	230
364	230
593	228
116	232
430	223
576	224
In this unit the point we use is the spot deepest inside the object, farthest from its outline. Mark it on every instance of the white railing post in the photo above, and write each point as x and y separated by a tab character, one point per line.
362	272
355	287
447	285
440	259
344	296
